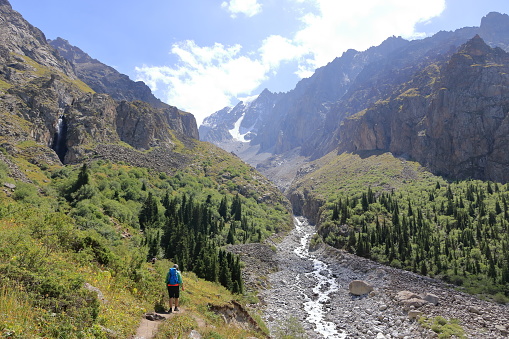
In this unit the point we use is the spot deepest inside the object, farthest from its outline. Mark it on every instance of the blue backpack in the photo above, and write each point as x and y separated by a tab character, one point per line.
172	278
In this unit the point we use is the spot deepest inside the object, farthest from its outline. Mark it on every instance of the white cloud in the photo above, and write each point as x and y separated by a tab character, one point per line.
360	24
276	49
208	78
246	7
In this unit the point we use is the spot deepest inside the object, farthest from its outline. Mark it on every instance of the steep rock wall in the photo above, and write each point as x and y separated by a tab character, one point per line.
456	125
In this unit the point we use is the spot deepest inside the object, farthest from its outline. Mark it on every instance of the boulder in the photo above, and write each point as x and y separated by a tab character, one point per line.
359	287
473	309
405	295
414	314
154	316
9	185
431	298
415	302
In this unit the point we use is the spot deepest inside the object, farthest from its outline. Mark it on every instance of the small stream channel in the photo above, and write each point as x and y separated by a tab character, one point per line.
316	307
302	287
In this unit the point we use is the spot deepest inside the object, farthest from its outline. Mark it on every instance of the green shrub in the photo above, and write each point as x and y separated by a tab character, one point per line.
290	328
443	327
25	192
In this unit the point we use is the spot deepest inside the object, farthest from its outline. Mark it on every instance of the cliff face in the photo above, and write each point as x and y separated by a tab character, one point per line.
104	79
453	116
49	115
21	38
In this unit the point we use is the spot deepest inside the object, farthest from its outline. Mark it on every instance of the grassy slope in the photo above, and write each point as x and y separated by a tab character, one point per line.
43	260
354	173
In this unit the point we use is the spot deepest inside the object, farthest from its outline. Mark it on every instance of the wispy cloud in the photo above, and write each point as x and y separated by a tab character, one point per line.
246	7
207	79
360	24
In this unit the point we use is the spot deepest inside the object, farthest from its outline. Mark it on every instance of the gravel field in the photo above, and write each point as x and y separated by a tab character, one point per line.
311	289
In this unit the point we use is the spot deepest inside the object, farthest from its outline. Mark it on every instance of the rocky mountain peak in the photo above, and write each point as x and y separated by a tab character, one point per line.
475	47
23	39
495	22
70	52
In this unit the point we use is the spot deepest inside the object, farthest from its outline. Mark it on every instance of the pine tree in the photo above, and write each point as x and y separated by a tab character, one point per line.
83	178
223	208
149	213
231	235
335	213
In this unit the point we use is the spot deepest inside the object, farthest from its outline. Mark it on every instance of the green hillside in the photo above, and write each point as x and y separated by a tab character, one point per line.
99	225
394	212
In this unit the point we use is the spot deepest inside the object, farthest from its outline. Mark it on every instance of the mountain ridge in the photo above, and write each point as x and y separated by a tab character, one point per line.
349	84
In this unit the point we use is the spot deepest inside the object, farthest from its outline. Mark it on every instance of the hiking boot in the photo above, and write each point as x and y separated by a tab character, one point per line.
169	311
176	309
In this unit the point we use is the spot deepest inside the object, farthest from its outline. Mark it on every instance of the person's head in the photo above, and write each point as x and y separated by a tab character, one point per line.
176	266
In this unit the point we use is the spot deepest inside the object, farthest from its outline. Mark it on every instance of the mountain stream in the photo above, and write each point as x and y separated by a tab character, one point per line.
301	289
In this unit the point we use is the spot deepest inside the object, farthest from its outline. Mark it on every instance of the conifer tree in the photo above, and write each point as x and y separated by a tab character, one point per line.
149	213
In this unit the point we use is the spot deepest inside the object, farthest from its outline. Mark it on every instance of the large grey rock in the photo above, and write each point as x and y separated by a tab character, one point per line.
359	287
431	298
414	302
405	295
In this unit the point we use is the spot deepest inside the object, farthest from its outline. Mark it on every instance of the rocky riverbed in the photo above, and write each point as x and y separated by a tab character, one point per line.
310	289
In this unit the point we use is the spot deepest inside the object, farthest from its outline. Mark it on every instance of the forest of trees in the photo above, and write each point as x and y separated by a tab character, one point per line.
180	218
190	233
457	232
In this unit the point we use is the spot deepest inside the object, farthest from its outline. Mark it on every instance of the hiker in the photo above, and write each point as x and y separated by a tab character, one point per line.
173	282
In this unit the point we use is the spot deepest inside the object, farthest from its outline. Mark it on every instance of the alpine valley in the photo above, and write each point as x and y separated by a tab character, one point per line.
389	218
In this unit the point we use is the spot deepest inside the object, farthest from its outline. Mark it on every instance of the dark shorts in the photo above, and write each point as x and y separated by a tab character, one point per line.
173	291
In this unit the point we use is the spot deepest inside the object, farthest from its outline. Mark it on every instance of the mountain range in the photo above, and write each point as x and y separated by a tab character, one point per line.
441	101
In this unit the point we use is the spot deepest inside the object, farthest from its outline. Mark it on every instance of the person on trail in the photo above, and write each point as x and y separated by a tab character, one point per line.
174	282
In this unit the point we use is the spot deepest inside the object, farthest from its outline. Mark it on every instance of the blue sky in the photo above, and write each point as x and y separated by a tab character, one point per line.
202	55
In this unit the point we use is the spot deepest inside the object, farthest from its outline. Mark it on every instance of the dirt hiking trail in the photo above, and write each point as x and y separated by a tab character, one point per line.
148	328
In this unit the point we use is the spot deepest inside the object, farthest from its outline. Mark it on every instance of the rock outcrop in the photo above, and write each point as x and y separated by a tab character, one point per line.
44	104
453	117
103	78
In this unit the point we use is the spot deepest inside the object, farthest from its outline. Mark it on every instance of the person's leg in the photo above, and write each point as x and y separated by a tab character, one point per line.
177	295
171	294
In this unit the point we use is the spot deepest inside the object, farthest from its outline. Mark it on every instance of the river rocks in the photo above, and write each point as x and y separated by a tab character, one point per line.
359	287
383	314
503	329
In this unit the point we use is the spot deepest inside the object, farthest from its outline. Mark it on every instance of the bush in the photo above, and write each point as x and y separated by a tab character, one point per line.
25	192
290	328
501	298
443	327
